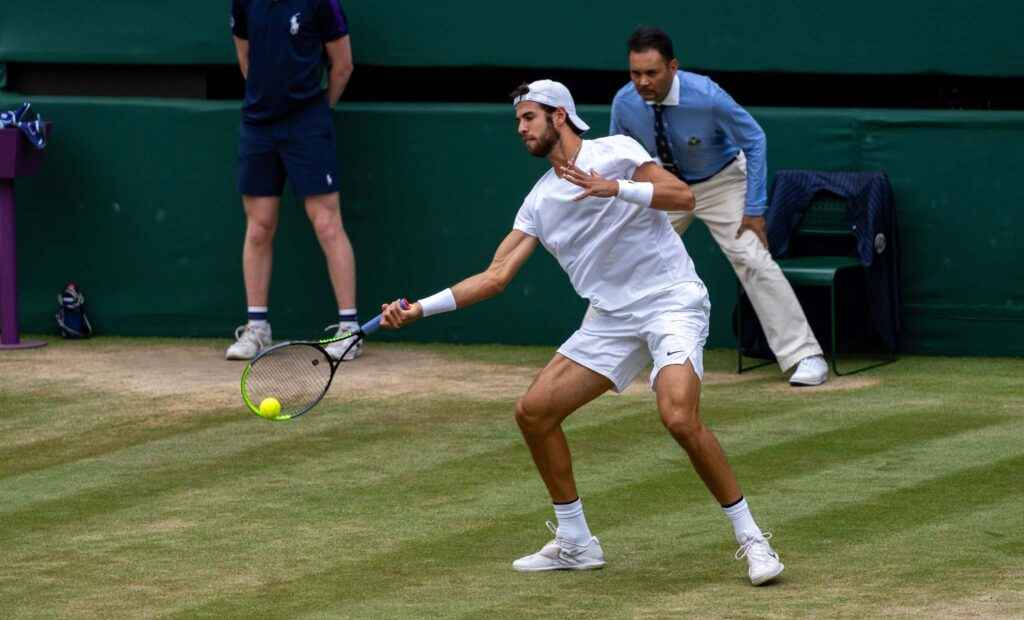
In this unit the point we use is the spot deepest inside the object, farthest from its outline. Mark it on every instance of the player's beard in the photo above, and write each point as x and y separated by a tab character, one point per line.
546	142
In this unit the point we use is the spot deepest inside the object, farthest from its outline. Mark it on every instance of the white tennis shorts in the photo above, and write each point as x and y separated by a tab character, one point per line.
668	328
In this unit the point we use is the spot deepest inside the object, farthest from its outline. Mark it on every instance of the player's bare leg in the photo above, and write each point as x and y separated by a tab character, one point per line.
324	212
561	388
261	214
678	390
257	258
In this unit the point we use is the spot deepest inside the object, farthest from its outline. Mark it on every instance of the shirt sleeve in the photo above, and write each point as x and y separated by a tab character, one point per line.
525	220
239	20
631	154
741	127
330	20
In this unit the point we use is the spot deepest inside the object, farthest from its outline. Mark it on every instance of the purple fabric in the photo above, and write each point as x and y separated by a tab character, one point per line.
240	18
330	20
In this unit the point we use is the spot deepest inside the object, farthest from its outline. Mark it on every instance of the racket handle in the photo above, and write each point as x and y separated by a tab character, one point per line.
374	324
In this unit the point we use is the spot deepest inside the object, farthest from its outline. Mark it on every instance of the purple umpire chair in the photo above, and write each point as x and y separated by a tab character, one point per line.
18	158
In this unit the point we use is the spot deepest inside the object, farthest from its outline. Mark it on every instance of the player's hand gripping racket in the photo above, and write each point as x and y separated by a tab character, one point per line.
297	374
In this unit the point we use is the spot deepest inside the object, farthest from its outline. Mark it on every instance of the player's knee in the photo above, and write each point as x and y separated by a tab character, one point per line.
327	227
260	231
532	416
681	420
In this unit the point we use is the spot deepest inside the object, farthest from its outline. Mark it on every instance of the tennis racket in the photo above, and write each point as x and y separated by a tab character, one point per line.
297	373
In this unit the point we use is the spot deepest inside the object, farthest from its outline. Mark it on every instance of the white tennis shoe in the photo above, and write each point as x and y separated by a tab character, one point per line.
341	348
812	370
763	563
560	554
249	341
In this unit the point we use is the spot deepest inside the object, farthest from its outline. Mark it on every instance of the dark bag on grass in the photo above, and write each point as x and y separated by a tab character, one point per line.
71	318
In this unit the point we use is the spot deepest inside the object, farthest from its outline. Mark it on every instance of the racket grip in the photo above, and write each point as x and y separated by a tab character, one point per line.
374	324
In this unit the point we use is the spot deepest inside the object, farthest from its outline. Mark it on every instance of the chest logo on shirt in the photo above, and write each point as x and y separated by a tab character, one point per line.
694	141
295	24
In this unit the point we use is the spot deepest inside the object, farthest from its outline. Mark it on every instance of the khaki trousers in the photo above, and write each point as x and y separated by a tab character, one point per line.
719	204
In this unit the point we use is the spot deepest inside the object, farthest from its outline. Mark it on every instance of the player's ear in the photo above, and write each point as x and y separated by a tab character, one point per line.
673	65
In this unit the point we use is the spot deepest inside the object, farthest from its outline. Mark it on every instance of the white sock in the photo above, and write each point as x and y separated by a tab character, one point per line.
258	316
572	525
742	521
347	316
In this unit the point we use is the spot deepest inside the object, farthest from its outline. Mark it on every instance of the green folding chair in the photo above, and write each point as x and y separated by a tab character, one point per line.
824	218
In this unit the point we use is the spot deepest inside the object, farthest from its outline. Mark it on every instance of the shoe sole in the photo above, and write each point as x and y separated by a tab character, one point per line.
344	359
763	579
242	358
807	383
591	566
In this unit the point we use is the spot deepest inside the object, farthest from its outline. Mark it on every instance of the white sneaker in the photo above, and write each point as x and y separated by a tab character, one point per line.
560	554
249	340
763	563
811	370
338	349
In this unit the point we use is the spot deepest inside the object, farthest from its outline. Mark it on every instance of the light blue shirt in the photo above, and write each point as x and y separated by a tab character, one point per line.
706	130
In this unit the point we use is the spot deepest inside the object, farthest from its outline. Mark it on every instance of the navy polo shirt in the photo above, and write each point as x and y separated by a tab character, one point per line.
286	52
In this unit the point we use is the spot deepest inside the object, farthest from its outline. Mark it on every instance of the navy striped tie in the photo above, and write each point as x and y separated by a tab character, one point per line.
668	162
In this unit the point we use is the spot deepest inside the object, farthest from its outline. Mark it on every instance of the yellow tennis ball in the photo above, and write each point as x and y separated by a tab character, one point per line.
270	407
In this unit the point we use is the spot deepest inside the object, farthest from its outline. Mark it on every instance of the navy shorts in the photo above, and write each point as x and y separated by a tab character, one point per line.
300	148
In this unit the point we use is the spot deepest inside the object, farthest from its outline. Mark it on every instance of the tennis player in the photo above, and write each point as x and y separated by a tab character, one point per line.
600	210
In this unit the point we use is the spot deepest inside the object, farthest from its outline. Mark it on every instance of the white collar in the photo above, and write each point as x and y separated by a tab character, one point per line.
672	98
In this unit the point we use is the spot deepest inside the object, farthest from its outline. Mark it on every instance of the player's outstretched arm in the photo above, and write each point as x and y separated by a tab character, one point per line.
652	186
509	257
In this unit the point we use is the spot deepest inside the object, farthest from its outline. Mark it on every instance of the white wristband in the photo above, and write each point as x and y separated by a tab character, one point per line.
443	301
638	193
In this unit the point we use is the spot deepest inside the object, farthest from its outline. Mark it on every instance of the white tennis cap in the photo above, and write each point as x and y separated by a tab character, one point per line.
556	95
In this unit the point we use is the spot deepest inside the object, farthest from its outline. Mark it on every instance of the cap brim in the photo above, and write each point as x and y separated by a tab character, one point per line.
578	123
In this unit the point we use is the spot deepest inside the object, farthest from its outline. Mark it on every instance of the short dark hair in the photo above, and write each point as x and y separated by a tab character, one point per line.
524	88
650	38
520	90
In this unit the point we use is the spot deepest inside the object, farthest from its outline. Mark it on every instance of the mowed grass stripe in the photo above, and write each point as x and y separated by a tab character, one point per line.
379	521
357	430
717	535
371	577
279	454
354	436
114	435
590	444
649	499
139	429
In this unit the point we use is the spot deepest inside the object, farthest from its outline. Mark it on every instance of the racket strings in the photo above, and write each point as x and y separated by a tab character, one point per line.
296	375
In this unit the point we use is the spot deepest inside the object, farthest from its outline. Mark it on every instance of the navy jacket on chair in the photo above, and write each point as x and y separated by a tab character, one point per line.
871	215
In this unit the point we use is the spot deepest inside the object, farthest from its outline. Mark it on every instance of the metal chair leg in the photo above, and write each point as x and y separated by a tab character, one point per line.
835	352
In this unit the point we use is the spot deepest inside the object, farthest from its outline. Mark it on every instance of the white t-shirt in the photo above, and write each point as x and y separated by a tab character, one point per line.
615	252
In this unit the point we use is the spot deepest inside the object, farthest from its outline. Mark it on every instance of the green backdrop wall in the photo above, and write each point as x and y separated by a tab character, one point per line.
871	36
137	203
